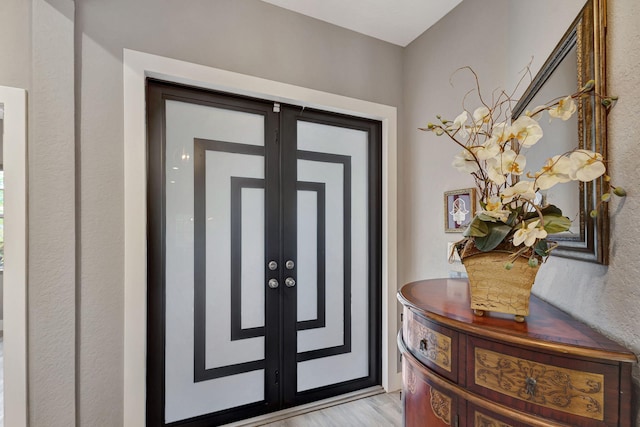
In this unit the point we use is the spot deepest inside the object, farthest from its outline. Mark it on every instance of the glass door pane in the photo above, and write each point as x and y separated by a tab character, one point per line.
331	228
332	178
215	251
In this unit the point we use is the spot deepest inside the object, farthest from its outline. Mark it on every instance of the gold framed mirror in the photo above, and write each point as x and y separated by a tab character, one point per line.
578	58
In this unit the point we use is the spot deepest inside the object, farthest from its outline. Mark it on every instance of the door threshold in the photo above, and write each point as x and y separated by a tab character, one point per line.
308	407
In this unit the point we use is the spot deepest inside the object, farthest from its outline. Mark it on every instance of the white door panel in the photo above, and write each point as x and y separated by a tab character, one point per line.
184	123
337	158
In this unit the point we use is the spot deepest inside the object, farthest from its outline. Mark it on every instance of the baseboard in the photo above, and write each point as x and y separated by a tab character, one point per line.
395	382
309	407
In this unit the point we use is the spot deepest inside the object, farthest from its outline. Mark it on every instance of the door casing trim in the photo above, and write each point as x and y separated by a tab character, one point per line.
137	66
15	270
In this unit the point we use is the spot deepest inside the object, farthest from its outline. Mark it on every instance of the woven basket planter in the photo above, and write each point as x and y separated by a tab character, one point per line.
494	288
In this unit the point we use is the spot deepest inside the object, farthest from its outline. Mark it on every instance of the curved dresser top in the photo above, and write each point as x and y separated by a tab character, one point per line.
446	301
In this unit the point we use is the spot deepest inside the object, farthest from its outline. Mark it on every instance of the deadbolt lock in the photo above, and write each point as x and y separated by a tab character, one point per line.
273	283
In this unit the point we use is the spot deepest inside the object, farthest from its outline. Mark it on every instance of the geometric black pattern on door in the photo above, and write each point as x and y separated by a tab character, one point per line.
320	305
201	373
318	188
345	161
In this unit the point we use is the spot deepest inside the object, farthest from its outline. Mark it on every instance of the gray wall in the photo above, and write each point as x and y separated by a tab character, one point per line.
15	43
37	54
432	88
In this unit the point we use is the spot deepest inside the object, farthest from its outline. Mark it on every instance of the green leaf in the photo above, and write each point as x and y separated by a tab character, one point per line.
487	218
477	228
556	223
542	248
547	210
497	233
551	210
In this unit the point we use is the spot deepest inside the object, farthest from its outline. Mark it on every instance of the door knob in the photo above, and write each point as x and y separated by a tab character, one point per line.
290	282
273	283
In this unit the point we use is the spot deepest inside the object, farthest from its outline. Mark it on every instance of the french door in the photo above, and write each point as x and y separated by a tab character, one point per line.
264	254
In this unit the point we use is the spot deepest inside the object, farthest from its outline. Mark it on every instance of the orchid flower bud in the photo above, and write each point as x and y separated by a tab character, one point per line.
619	191
589	86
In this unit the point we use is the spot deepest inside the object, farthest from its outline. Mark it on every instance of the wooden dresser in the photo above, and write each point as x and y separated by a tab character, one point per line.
463	370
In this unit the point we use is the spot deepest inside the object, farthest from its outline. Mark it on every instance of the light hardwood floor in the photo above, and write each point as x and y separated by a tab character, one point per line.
381	410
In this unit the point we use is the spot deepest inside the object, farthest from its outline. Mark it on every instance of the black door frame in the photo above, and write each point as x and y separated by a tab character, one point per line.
278	335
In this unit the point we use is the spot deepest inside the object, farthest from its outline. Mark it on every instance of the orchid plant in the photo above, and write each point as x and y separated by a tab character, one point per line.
493	150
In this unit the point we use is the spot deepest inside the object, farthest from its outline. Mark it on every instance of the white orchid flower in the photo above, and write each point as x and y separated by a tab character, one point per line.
505	163
526	130
522	189
495	171
494	209
556	170
564	110
587	165
487	150
536	113
459	124
501	131
529	234
513	163
481	115
464	162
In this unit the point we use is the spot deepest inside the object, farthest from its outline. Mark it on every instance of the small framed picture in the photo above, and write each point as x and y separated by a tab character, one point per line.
459	209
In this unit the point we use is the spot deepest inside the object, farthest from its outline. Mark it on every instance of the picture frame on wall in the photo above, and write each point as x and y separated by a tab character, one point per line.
459	209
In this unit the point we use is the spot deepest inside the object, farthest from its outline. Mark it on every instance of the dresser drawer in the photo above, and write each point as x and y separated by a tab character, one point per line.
482	417
573	391
433	345
426	404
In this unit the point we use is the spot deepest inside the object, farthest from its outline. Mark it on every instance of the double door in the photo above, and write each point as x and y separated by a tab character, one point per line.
264	254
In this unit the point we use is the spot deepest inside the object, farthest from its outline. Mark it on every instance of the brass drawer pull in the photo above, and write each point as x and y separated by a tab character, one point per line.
428	344
530	386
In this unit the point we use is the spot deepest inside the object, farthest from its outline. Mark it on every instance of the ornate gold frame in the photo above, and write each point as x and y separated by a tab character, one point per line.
587	33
